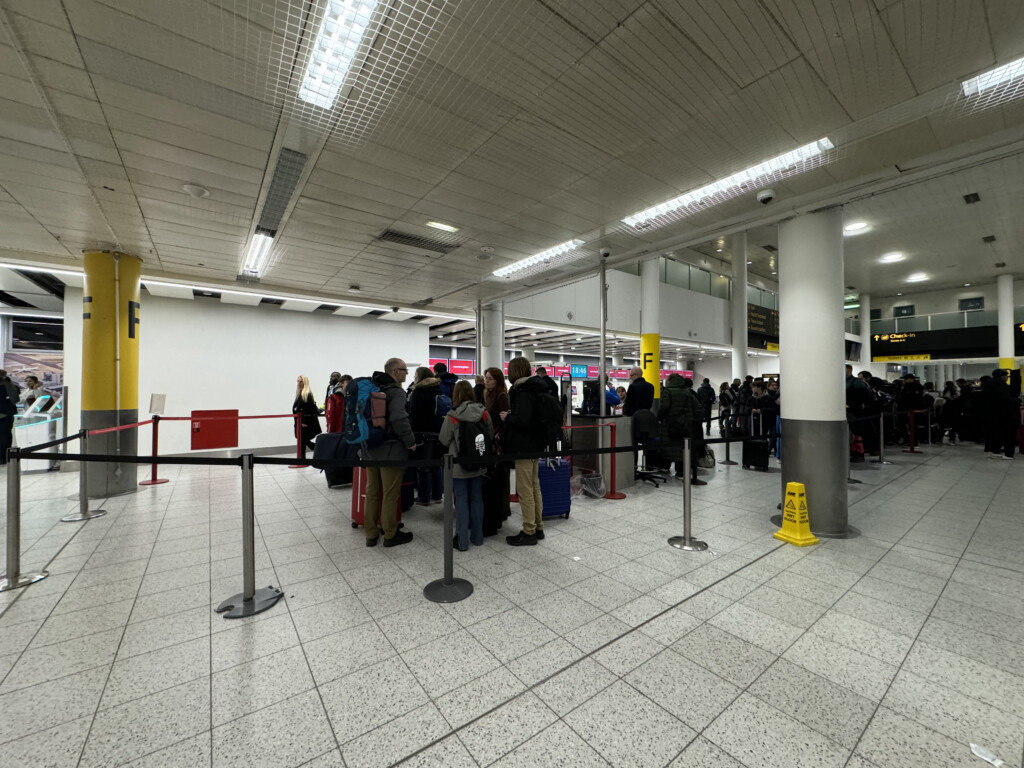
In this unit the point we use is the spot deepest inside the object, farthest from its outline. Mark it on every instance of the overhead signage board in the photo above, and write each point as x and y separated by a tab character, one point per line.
763	321
578	371
945	344
462	367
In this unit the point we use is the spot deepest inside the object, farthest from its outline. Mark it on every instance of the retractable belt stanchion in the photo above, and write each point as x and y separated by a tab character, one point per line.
153	479
449	589
83	512
685	541
14	579
612	493
727	460
929	426
251	600
910	419
881	440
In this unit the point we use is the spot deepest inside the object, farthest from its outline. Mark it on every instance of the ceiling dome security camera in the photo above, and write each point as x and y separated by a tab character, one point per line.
765	196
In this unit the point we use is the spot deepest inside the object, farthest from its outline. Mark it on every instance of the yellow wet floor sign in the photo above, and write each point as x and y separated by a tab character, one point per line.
796	526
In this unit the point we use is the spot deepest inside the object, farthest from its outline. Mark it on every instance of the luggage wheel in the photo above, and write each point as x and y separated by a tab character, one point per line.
355	525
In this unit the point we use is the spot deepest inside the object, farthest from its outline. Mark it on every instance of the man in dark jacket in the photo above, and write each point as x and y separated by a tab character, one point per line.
681	416
448	380
523	434
542	374
1001	415
706	395
640	395
384	484
426	412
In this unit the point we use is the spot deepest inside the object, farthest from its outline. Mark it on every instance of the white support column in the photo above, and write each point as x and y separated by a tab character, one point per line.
865	337
492	336
738	306
815	437
1004	294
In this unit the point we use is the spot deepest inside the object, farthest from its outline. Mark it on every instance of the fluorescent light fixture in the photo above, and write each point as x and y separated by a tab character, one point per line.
259	248
855	226
337	41
851	306
544	257
716	349
967	285
891	257
917	277
442	227
733	184
993	77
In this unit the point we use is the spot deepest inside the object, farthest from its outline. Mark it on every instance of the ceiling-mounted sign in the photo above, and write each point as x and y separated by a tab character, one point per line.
763	321
907	310
971	305
578	371
462	367
942	344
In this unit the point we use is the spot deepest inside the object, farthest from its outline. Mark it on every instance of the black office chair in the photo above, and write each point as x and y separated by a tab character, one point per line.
646	436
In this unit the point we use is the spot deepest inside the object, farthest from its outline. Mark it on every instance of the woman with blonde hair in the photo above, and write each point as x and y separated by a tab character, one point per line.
305	404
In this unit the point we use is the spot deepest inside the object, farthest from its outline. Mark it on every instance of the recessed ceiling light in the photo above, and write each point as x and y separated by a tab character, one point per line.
899	294
354	288
993	77
774	273
331	56
443	227
194	190
894	256
259	248
718	250
554	256
967	285
750	262
917	277
855	226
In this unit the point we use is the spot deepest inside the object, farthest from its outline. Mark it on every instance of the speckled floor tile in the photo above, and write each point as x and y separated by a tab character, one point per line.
447	753
342	653
56	748
326	618
145	725
285	734
48	704
570	688
417	626
892	739
757	733
507	727
562	611
701	753
449	663
830	709
511	634
247	687
242	642
683	688
478	696
364	700
627	653
628	729
148	673
726	655
544	661
37	665
190	753
557	745
842	665
393	741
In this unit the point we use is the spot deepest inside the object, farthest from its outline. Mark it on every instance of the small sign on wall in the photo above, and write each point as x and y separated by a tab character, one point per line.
156	404
907	310
970	305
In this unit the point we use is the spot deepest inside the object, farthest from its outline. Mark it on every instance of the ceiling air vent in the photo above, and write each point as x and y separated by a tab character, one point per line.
973	197
268	300
988	239
770	248
1000	264
282	185
437	244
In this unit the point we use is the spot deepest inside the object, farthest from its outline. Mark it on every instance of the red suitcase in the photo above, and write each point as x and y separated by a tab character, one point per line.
359	498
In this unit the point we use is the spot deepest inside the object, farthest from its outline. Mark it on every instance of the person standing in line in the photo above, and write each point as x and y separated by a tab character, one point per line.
426	414
384	484
640	395
522	434
448	380
1001	415
33	390
706	394
725	401
497	508
478	389
467	482
542	374
13	390
680	415
309	424
332	383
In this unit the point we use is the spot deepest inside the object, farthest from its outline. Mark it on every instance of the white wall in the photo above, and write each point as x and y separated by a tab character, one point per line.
684	314
937	301
205	355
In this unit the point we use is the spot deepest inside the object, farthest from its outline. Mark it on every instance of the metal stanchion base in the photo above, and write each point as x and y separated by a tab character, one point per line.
158	481
679	542
853	481
439	592
6	585
80	516
615	495
730	462
238	607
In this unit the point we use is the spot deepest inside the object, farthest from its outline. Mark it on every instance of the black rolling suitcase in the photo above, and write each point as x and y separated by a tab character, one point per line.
756	449
328	446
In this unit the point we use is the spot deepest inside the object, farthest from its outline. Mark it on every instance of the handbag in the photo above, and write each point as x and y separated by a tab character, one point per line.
707	461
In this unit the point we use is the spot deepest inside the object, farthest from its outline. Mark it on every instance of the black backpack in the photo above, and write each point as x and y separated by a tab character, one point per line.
472	442
547	415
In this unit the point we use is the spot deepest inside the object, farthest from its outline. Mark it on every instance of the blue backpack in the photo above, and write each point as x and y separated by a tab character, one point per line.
365	413
442	404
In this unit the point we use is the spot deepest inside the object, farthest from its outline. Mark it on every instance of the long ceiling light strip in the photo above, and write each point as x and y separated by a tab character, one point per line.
341	32
730	185
559	254
259	249
993	78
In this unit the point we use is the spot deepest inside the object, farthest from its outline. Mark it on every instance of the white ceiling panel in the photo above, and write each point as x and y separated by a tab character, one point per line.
242	299
167	291
299	306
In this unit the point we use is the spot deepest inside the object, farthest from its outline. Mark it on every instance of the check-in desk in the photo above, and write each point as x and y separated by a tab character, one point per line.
601	437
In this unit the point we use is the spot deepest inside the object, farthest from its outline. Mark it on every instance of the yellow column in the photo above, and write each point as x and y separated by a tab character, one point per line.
650	360
110	365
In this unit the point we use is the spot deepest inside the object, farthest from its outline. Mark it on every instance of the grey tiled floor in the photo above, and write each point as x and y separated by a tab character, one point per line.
600	646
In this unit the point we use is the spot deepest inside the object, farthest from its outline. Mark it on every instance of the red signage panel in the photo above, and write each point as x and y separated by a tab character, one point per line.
209	433
435	360
593	371
462	367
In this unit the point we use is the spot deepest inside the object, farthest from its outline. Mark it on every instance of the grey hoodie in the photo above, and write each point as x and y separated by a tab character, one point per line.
471	411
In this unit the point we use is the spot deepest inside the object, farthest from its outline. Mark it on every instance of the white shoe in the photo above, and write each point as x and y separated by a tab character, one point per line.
1005	458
